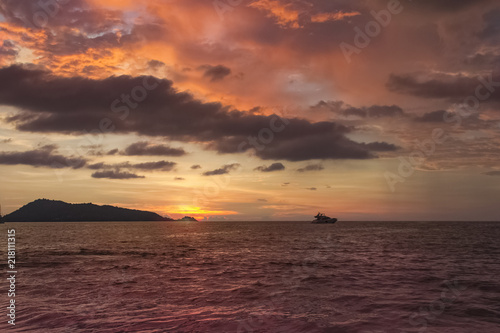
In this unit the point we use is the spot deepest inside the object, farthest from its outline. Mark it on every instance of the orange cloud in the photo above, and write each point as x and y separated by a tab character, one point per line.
324	17
284	15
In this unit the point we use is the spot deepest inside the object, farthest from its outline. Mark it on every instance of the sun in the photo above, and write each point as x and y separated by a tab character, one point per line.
197	212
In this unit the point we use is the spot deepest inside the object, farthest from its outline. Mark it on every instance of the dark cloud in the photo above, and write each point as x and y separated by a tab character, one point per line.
453	87
97	166
215	73
160	165
354	112
179	178
433	117
196	166
77	105
113	152
261	200
74	27
6	140
272	167
150	166
377	111
146	148
485	61
334	106
42	157
447	5
311	188
115	174
155	64
492	173
381	146
8	49
316	146
374	111
285	184
311	167
222	170
491	31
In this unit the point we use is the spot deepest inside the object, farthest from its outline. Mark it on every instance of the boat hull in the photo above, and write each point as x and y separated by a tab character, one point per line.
329	221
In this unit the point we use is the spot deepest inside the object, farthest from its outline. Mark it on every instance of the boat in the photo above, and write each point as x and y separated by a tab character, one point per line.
323	219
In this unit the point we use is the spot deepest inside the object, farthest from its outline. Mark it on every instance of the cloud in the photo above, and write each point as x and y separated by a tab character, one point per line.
6	140
297	14
334	106
433	117
146	148
195	167
373	111
311	167
8	48
325	17
215	73
74	27
491	31
285	184
377	111
452	87
483	60
311	188
261	200
77	105
272	167
160	165
42	157
155	64
115	174
150	166
381	146
449	5
316	146
492	173
222	170
179	178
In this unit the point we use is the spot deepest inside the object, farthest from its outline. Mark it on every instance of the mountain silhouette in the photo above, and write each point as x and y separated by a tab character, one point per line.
44	210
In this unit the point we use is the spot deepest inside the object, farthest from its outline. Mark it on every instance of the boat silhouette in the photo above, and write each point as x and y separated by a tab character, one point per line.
323	219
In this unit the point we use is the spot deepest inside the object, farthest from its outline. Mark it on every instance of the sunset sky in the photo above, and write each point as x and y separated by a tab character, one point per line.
253	109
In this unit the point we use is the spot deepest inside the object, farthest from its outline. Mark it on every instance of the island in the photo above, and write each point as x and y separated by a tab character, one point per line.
188	218
44	210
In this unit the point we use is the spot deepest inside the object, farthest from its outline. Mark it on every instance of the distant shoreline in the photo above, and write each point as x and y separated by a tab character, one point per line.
235	221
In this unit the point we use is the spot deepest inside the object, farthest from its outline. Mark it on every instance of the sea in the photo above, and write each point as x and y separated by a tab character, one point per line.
293	277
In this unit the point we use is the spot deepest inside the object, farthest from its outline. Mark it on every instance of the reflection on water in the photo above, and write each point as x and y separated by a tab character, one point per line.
254	276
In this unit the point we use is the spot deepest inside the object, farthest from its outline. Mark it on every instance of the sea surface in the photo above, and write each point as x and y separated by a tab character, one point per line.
362	277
